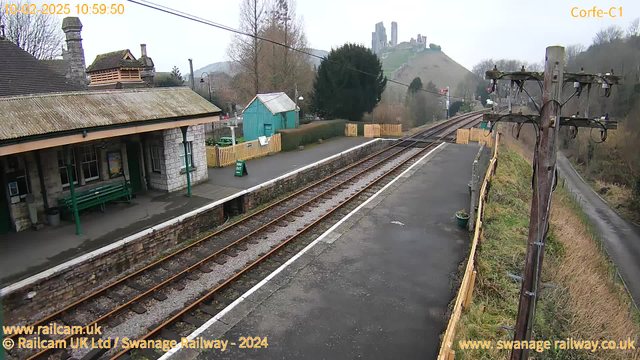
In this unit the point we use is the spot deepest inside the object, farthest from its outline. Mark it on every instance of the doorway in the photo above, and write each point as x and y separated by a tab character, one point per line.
268	130
135	174
5	216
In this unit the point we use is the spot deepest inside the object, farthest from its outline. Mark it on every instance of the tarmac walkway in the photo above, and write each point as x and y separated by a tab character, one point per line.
29	252
621	238
375	287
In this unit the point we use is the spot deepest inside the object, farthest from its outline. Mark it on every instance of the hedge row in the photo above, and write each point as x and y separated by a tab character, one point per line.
310	133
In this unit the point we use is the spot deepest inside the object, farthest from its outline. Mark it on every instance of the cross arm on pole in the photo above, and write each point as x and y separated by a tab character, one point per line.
564	120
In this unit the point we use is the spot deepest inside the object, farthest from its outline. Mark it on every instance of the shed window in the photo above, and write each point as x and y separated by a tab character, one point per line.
64	177
156	158
90	163
183	166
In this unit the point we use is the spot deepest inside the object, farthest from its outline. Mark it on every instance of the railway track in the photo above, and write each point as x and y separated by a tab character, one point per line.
150	302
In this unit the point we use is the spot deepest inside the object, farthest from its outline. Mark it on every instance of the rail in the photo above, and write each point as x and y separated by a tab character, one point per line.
56	316
200	301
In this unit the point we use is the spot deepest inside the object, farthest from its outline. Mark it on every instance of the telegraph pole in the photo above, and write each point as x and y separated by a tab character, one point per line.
547	124
541	201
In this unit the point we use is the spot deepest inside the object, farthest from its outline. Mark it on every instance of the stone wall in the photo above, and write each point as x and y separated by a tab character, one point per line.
175	174
478	172
75	281
299	179
89	274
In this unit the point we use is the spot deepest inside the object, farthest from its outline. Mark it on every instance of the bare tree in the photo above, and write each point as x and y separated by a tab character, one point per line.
633	28
246	52
286	67
482	67
571	52
38	34
611	34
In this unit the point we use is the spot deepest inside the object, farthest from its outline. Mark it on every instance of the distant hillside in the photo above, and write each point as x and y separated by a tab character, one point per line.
314	60
429	65
226	66
223	66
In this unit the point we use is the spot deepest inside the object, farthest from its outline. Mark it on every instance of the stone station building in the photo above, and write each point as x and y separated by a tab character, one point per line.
133	136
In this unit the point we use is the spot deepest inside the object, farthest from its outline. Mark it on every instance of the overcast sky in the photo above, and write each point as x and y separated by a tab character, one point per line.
467	30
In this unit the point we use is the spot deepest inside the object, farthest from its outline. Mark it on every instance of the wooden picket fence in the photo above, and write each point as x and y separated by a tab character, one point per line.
390	129
482	136
225	156
465	293
372	130
351	130
378	130
462	136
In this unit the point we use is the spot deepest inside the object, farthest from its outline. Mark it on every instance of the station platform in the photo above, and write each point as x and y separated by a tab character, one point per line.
375	287
29	252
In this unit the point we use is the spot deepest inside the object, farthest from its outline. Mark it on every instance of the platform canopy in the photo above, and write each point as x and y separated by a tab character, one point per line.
32	122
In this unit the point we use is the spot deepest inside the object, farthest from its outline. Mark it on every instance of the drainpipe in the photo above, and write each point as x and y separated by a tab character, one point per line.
186	158
42	185
74	204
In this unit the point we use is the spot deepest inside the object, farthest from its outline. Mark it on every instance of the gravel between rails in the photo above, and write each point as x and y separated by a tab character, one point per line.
135	325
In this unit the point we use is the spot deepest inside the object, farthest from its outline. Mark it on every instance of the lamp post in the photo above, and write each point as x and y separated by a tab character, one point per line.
298	97
208	81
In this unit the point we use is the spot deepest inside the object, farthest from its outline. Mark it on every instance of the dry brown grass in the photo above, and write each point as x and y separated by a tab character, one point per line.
587	305
599	309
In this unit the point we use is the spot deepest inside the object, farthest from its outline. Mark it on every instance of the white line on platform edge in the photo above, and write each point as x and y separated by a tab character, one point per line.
120	243
244	296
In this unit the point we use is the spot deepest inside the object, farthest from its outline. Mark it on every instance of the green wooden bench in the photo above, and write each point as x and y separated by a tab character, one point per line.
100	195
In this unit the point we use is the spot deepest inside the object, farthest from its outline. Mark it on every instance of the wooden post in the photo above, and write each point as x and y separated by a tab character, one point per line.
541	201
186	158
469	296
72	190
452	355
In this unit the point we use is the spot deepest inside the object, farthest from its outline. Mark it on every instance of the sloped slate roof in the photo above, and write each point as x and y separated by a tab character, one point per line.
21	73
59	66
277	102
113	60
24	116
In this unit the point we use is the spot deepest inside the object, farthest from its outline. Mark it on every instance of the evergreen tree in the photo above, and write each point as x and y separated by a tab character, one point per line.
341	91
175	73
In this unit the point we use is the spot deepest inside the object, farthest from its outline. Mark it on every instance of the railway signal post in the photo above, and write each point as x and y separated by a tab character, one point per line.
547	126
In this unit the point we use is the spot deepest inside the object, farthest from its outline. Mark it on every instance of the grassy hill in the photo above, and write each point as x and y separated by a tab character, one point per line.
429	65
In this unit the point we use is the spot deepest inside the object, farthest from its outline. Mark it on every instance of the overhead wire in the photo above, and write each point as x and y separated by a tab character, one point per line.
191	17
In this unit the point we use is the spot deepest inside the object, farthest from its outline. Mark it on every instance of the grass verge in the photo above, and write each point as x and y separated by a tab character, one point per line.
586	305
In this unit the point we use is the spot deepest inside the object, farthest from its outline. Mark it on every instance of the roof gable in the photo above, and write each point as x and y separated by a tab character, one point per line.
21	74
115	60
277	102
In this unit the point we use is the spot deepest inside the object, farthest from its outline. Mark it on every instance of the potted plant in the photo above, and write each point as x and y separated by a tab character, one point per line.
463	218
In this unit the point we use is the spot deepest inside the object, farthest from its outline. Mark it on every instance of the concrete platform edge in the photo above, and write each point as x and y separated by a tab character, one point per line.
285	272
120	243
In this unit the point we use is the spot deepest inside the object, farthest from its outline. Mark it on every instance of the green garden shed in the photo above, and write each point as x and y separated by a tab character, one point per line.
268	113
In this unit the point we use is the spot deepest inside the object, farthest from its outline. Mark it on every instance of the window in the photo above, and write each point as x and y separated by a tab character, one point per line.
64	177
183	166
89	163
17	179
156	157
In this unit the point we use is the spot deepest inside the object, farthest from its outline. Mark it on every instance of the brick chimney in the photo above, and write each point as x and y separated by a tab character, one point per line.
149	70
74	54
